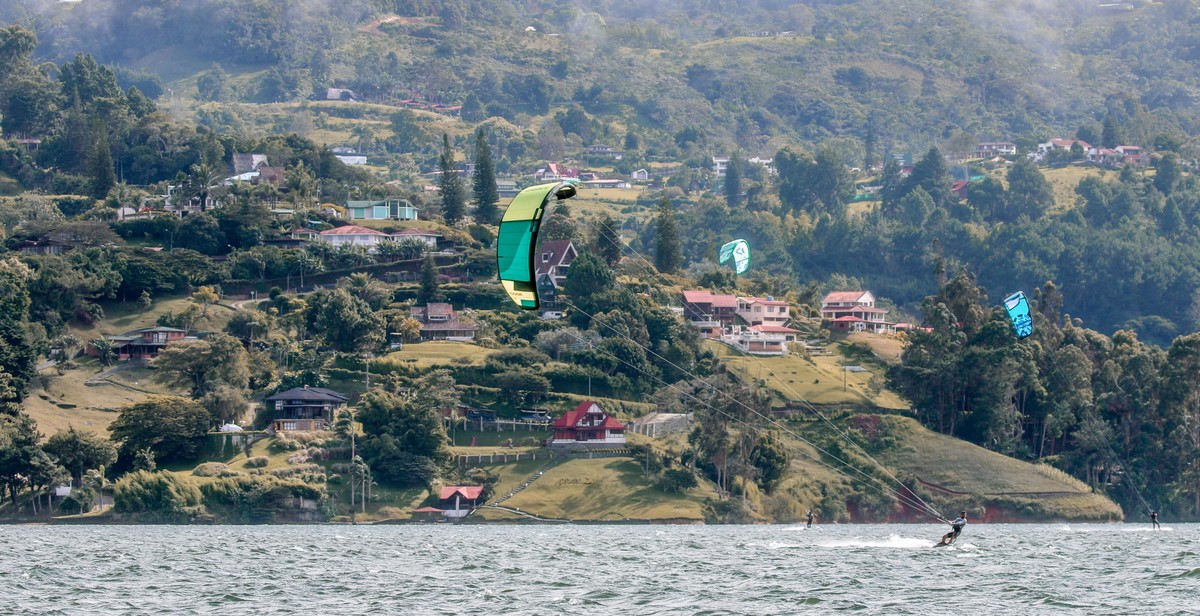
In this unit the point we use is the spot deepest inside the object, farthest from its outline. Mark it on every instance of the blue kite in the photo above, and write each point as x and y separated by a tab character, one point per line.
1018	310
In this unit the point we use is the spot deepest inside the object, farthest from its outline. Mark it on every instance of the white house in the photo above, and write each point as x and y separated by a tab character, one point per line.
763	311
854	311
354	235
429	237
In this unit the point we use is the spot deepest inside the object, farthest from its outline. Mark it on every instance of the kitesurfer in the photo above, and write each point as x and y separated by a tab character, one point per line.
809	517
957	525
1154	520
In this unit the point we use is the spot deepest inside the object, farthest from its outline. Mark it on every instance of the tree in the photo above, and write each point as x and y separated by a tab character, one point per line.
213	84
204	296
429	282
1111	135
144	301
80	452
225	404
18	349
1167	173
588	277
249	323
403	438
1029	193
931	174
668	256
364	287
484	182
606	240
100	164
450	184
344	322
171	427
18	450
733	180
106	351
202	365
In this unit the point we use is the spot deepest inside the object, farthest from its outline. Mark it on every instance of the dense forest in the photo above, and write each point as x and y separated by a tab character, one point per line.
124	98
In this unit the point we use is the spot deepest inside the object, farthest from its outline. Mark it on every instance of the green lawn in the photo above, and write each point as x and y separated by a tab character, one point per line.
819	380
435	353
599	489
58	402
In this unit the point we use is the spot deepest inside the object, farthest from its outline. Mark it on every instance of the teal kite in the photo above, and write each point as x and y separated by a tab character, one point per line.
517	240
739	252
1018	311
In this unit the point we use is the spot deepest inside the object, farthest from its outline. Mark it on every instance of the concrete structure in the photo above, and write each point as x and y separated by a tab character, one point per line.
305	408
385	209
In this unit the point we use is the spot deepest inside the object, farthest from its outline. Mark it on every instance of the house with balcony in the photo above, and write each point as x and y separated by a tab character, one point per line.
354	235
763	311
142	343
587	426
384	209
305	408
992	149
439	321
713	314
854	311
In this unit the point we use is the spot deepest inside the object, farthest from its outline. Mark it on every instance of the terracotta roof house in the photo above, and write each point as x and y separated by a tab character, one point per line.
305	408
587	427
354	235
439	321
859	306
789	334
142	343
709	312
459	501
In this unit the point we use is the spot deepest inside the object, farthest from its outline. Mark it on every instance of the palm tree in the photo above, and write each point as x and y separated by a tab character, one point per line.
105	350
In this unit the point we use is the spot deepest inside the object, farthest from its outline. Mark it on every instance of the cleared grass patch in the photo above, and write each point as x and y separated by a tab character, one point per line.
607	489
819	380
888	348
1065	179
58	402
437	353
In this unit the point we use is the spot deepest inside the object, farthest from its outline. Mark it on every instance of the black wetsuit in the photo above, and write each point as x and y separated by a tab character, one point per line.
1154	519
810	517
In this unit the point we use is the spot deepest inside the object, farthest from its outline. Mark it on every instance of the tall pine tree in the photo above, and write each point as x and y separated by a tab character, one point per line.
429	282
100	164
733	180
667	252
606	242
486	194
453	195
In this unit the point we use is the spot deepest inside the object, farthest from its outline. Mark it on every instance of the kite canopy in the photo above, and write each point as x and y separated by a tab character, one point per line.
739	252
1018	310
517	240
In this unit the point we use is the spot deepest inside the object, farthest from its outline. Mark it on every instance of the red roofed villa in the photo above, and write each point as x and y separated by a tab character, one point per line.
709	312
460	501
587	426
854	311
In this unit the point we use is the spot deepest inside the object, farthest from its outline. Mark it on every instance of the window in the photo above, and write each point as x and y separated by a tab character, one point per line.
545	257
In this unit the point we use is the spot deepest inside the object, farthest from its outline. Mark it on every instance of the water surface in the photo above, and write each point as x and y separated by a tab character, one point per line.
582	569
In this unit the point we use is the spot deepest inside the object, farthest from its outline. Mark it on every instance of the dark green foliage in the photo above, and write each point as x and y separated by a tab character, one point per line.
667	254
606	240
256	499
451	185
1029	194
344	322
733	180
163	495
172	428
405	437
484	182
80	452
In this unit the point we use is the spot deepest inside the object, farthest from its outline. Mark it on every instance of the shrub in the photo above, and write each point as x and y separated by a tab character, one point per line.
209	469
161	493
257	462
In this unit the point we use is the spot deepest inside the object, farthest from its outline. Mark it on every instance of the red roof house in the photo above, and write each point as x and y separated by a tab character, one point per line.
587	426
458	501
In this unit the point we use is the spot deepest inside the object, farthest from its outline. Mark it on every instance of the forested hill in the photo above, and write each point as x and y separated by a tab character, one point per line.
751	74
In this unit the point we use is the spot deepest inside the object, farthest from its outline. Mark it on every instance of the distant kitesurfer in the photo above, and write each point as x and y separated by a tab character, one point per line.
809	517
1154	520
957	525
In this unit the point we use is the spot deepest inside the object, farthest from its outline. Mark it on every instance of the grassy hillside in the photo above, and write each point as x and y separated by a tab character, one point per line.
818	379
599	489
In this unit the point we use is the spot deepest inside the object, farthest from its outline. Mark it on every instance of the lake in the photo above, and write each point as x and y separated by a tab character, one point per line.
585	569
